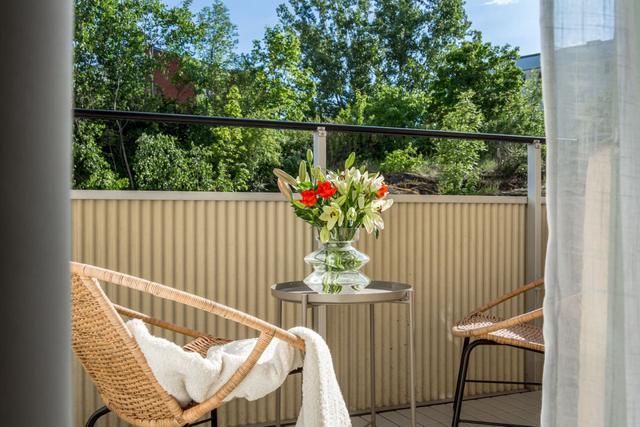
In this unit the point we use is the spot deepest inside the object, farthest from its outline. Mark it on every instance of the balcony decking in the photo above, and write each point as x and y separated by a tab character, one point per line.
516	408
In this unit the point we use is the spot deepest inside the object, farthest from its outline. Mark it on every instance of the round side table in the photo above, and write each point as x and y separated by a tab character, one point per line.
375	293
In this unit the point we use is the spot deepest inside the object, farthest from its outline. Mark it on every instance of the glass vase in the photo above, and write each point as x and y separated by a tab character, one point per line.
336	265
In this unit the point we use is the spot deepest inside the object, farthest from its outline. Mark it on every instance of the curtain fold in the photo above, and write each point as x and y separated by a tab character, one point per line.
591	81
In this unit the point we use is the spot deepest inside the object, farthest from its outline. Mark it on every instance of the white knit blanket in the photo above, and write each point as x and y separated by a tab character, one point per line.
188	377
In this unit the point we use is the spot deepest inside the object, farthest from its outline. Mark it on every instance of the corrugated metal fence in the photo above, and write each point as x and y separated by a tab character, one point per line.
458	252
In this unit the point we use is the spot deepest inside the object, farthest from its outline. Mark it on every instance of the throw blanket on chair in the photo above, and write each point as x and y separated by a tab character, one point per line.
190	377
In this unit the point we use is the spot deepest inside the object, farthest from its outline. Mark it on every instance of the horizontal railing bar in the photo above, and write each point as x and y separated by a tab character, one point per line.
81	113
278	197
504	382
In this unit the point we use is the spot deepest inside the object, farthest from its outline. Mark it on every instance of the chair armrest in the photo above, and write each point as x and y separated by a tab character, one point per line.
185	298
508	296
513	321
125	311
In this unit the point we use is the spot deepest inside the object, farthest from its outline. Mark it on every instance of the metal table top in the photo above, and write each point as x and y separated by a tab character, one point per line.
376	291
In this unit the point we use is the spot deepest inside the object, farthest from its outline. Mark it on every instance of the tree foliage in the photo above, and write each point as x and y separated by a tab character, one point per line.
91	170
458	159
160	164
488	71
402	160
352	45
402	63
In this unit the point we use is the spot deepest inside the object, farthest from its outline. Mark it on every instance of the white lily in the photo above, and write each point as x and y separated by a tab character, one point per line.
372	221
376	183
381	205
351	214
284	189
332	215
342	186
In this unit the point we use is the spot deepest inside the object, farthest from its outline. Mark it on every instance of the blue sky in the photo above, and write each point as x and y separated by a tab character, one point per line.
501	21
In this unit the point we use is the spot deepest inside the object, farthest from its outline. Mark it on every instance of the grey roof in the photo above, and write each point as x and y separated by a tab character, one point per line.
529	62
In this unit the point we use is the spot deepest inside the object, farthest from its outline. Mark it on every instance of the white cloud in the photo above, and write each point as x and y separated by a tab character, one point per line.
501	2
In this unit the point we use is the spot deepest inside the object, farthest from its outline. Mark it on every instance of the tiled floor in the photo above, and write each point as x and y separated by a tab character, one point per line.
518	408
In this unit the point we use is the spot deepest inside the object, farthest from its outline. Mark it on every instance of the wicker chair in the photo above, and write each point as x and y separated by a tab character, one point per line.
486	329
113	360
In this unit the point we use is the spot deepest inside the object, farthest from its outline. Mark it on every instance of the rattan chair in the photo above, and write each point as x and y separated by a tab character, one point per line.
115	363
480	328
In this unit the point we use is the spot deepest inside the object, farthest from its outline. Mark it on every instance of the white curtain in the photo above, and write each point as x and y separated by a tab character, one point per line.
591	79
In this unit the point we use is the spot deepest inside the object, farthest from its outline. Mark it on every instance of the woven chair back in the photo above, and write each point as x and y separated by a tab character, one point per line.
113	360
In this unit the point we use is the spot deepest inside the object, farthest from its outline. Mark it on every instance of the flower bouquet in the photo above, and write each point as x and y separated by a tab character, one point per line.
337	204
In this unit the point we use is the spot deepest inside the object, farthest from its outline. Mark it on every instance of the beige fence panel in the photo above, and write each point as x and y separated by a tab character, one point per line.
458	252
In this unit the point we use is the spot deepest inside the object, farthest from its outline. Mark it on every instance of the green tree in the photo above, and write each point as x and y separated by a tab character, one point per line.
522	115
352	45
458	160
209	67
402	160
230	153
241	158
120	44
401	63
277	86
160	164
385	105
412	36
91	170
113	59
487	71
337	45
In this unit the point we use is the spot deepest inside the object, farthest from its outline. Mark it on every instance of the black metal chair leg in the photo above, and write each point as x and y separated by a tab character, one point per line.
462	377
96	415
214	418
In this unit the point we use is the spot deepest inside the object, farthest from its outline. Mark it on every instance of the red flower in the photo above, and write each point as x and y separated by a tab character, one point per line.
326	189
384	189
308	198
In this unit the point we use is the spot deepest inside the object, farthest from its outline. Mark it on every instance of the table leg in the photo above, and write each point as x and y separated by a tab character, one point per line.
278	392
315	318
303	307
372	358
303	315
412	359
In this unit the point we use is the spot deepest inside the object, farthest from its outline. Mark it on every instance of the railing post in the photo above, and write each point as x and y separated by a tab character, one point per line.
320	159
533	362
320	147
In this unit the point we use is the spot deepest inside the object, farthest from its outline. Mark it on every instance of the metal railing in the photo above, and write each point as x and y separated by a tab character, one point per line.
320	132
80	113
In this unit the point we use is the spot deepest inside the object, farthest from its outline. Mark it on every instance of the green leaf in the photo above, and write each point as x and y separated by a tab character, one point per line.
350	160
305	186
324	235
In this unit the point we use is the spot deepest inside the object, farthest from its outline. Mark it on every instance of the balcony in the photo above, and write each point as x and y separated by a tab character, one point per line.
457	251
